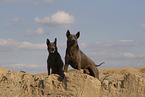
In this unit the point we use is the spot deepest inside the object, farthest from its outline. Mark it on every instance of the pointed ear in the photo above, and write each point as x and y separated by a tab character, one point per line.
67	33
78	34
47	42
55	41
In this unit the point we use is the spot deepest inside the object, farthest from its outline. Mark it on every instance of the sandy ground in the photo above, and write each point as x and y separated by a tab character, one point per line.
113	82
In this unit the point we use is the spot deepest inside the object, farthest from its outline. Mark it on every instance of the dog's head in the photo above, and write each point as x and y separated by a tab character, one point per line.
72	39
51	46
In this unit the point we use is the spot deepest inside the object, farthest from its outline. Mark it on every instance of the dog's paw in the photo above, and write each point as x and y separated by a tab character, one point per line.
81	70
65	73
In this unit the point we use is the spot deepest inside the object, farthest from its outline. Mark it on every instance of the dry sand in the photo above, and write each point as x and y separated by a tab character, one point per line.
113	82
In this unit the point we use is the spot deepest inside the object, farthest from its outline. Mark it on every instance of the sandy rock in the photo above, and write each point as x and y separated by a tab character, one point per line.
113	82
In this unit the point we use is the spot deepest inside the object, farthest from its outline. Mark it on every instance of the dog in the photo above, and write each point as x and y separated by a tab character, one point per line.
76	58
54	60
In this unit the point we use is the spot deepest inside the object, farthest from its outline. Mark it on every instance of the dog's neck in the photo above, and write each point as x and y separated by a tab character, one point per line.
72	49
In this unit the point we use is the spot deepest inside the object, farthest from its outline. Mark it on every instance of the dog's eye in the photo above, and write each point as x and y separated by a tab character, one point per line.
70	37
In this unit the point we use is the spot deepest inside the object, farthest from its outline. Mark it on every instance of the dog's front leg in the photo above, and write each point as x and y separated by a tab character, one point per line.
66	67
79	62
79	66
66	62
48	69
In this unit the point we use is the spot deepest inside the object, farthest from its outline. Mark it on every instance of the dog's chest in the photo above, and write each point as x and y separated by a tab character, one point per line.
73	56
74	64
52	61
74	59
54	65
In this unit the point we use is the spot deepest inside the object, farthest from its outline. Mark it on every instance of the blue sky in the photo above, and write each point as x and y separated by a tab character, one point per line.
112	31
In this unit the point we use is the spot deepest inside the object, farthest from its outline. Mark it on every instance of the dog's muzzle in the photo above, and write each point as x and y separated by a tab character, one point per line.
73	42
52	50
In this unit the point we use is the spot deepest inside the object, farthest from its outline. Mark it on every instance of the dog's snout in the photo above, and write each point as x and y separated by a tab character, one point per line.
73	41
52	49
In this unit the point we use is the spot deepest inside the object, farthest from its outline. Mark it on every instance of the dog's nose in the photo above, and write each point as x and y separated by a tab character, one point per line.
73	41
52	49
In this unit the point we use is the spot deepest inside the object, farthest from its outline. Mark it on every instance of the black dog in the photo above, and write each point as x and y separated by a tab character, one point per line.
54	60
76	58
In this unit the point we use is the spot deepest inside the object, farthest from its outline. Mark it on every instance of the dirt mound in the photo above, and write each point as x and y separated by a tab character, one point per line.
123	82
114	82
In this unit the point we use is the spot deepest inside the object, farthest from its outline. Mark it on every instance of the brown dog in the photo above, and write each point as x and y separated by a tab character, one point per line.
76	58
54	60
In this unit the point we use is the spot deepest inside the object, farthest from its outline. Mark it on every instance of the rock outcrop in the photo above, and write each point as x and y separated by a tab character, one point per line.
113	82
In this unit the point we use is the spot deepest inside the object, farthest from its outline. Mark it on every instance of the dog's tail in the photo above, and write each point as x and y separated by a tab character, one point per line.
100	64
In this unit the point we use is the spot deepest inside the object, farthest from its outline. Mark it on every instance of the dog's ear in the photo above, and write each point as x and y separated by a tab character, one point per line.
67	33
47	42
78	34
55	41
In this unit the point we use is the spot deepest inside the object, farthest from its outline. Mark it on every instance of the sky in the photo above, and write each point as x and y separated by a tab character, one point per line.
111	31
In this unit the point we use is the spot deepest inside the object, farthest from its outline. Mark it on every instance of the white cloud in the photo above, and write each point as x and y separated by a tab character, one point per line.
60	18
129	43
11	44
38	31
117	44
126	41
28	45
29	68
44	20
21	65
121	49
